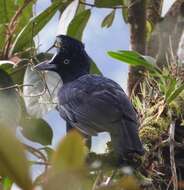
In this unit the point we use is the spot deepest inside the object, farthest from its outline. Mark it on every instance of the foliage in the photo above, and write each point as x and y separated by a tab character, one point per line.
161	103
26	95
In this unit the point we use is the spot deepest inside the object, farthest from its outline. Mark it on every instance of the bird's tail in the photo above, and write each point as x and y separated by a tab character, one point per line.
126	139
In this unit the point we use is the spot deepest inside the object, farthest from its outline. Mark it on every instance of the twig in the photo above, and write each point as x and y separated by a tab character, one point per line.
97	181
169	184
172	156
15	86
109	179
40	163
12	27
38	154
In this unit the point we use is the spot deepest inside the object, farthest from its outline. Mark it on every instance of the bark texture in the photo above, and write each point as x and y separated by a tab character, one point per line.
137	21
167	34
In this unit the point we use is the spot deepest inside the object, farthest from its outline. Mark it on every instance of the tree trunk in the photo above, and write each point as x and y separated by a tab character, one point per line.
153	15
167	34
137	21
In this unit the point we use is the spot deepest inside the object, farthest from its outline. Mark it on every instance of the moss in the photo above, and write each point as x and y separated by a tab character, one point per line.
148	134
154	130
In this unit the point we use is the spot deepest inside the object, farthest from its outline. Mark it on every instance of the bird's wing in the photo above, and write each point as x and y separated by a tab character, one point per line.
94	103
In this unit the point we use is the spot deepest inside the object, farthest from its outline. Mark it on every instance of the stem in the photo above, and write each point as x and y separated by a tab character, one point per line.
12	27
172	155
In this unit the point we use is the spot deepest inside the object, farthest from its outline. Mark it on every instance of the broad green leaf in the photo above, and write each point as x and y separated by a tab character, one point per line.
8	9
81	8
26	15
132	58
10	111
108	3
70	154
65	4
41	95
2	33
78	24
13	162
37	130
175	94
108	20
34	26
7	183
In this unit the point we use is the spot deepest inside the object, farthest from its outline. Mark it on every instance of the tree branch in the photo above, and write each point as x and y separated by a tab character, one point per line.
12	27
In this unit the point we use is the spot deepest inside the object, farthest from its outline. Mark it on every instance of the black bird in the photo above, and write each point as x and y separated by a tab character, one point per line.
93	103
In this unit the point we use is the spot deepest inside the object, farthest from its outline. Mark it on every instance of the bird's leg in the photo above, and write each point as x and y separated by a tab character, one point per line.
69	127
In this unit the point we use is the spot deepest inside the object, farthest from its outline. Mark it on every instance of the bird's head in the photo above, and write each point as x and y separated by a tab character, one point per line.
70	61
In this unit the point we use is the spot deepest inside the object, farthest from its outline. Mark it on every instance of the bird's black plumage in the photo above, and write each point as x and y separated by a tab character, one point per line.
93	103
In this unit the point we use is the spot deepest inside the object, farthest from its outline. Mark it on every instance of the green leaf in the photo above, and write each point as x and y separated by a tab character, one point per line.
149	26
108	20
108	3
94	68
34	26
133	58
125	10
77	25
13	162
7	10
26	15
171	87
175	94
10	110
15	71
70	154
125	14
37	130
7	183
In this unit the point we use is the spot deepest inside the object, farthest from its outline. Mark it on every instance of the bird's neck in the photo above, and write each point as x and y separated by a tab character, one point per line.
73	76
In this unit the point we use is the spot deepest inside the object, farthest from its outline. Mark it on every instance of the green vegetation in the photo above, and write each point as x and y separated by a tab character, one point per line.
26	95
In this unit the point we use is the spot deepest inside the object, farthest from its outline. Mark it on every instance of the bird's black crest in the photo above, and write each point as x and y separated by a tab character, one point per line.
68	43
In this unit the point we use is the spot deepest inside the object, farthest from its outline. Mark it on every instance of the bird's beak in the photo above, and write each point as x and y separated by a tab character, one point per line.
47	65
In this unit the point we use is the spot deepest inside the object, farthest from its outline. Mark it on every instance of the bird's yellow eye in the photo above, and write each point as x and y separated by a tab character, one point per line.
66	61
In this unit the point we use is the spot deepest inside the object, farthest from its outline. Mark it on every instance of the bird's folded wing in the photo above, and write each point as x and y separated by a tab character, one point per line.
95	107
